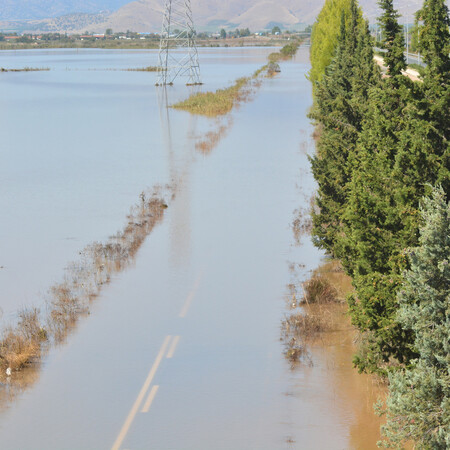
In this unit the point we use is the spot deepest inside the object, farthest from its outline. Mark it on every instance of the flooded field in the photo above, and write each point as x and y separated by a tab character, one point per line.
182	348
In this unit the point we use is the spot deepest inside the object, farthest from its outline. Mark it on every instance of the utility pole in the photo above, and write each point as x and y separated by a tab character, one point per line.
407	38
178	55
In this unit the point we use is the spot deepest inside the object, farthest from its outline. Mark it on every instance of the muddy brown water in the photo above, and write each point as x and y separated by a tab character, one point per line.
210	281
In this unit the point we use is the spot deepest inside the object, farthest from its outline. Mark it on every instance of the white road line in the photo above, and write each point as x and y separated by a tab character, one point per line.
173	346
140	397
190	297
150	399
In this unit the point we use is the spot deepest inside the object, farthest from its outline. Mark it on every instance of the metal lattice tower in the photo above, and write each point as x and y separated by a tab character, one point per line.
178	54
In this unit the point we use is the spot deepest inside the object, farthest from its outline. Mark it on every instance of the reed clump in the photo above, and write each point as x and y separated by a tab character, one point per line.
305	326
19	345
319	290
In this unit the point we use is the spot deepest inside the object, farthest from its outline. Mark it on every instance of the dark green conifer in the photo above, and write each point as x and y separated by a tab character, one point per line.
341	100
373	226
393	39
435	48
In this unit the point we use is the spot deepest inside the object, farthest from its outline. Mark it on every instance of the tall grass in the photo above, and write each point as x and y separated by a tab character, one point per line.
213	104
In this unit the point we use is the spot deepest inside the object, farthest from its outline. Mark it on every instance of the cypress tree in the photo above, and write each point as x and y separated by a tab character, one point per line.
393	39
374	228
435	47
325	33
401	148
382	142
341	100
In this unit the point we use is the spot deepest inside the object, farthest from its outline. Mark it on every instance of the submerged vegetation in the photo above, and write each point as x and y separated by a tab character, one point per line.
221	102
318	290
21	345
314	314
383	152
286	52
26	69
144	69
217	103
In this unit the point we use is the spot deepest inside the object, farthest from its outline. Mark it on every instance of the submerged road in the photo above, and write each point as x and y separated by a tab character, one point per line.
182	350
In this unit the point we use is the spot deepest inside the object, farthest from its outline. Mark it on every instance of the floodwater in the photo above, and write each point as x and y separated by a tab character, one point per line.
181	350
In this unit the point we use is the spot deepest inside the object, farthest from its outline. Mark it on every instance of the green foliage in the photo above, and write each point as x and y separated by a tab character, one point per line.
341	102
414	37
289	50
393	39
324	36
383	143
435	47
286	52
418	405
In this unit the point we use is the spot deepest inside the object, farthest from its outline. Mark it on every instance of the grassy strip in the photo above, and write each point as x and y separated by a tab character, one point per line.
26	69
417	67
212	104
22	344
144	69
117	44
287	52
221	102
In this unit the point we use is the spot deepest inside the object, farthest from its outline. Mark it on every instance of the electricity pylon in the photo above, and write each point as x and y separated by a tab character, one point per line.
178	54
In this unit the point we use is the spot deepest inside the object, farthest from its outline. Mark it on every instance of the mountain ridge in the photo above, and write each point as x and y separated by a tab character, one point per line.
146	15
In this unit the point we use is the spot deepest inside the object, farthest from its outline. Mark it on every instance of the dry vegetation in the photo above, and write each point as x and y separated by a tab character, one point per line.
26	69
318	290
144	69
302	223
314	315
21	345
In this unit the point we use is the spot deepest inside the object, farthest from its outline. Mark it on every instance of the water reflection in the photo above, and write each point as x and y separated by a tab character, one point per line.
319	345
179	166
12	388
200	135
206	143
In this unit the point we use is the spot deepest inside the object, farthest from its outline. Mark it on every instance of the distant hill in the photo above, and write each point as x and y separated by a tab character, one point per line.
21	10
146	15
